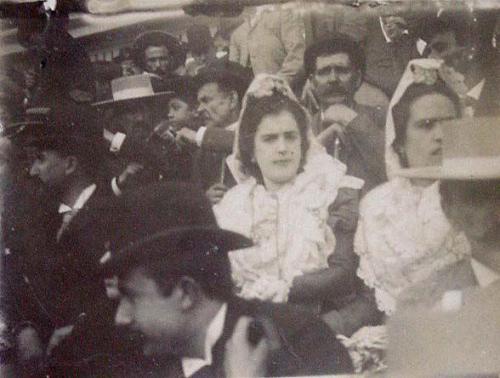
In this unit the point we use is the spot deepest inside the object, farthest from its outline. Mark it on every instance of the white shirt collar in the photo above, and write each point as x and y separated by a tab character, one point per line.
475	92
214	332
485	276
80	201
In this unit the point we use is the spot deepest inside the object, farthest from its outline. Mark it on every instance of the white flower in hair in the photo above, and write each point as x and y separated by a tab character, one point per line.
265	85
425	71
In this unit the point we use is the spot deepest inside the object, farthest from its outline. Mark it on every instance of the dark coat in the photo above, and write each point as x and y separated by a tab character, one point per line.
209	159
308	346
51	283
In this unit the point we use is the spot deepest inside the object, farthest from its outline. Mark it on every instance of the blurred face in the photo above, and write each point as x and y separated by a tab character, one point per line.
50	168
145	310
477	216
129	68
441	45
423	145
157	60
178	110
134	118
216	106
221	45
277	149
334	79
394	26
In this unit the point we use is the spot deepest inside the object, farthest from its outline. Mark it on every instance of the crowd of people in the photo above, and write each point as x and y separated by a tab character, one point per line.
252	203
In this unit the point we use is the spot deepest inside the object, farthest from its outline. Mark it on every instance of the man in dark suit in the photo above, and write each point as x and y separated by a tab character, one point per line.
71	303
470	61
220	90
175	289
352	132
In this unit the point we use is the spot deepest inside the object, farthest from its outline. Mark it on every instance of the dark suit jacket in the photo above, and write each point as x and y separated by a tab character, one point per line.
162	156
363	150
308	347
489	100
209	160
386	62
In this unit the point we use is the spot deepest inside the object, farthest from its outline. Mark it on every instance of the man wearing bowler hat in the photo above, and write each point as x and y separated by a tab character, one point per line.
175	289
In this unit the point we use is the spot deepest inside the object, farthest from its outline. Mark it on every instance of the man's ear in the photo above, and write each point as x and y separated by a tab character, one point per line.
191	293
71	164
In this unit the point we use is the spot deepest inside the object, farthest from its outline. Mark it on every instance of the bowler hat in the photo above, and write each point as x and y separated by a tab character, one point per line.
135	87
470	152
160	38
165	222
64	118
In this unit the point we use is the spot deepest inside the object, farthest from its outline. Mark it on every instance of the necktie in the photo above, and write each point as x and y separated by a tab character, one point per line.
66	219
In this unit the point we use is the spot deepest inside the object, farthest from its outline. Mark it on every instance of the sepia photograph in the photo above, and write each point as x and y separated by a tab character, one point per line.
249	188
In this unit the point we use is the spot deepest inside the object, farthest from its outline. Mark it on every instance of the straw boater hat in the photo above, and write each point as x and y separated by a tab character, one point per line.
471	151
136	87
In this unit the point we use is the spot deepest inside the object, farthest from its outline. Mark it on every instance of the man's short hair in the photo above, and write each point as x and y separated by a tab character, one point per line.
334	45
228	76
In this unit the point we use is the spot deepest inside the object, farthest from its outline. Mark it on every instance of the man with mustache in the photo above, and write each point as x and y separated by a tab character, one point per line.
351	132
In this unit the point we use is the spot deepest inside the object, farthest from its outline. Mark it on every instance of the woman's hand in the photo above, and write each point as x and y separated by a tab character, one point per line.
242	359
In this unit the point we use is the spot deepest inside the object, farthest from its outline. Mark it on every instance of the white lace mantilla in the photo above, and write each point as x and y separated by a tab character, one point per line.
289	228
403	236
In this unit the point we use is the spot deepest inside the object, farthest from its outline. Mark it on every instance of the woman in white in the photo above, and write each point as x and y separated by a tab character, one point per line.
403	235
287	184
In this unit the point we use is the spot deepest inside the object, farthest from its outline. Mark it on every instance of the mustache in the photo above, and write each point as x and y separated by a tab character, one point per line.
335	89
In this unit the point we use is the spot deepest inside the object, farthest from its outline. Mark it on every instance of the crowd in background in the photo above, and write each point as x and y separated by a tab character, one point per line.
346	166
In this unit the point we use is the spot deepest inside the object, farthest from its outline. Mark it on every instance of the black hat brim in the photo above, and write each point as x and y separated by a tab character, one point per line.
137	252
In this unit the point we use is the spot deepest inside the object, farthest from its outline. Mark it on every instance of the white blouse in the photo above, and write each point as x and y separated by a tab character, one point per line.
403	236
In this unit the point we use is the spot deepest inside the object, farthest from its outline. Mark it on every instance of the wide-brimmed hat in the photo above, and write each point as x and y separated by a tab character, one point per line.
142	87
175	47
166	223
471	151
64	118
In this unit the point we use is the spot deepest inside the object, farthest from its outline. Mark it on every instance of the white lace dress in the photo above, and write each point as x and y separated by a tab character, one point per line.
403	237
289	228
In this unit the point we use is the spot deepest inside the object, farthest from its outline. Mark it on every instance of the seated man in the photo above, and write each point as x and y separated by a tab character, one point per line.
175	288
350	131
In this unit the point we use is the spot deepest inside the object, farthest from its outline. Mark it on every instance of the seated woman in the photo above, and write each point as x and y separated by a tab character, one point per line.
403	235
459	304
285	203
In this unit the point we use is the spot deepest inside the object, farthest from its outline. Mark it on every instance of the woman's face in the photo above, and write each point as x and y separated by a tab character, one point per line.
423	144
277	150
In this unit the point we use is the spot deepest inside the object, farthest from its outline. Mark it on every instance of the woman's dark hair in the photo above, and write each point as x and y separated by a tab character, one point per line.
401	111
256	109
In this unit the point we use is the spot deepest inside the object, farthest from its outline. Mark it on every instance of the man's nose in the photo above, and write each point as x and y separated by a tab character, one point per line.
332	77
123	315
